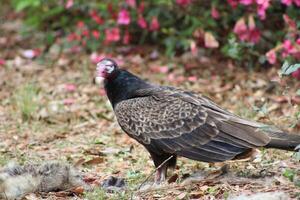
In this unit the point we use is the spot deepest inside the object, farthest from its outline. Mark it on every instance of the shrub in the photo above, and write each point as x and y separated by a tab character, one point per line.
244	30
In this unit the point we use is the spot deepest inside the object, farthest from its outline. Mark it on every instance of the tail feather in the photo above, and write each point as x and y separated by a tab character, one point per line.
285	141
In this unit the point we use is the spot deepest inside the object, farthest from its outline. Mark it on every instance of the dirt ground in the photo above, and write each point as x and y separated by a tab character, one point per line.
54	111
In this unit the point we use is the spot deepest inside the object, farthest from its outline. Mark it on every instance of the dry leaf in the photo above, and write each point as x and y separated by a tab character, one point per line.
210	41
94	161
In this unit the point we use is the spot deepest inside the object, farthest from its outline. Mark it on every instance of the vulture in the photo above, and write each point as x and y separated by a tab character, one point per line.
171	122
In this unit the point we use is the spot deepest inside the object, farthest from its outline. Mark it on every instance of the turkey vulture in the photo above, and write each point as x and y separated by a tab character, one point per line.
171	122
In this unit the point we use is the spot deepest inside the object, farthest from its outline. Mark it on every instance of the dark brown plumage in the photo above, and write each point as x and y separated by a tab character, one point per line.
170	121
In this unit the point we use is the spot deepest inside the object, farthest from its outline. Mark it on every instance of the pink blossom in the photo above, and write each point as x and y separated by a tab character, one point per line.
131	3
262	6
141	7
69	4
96	34
112	35
296	74
73	36
192	78
96	17
246	2
142	22
287	2
183	2
271	56
233	3
124	17
240	28
2	62
288	47
69	87
126	37
298	41
154	24
290	22
215	13
86	33
80	24
254	36
297	2
247	33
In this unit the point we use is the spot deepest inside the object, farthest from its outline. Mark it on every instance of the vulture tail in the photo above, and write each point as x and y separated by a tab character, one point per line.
281	140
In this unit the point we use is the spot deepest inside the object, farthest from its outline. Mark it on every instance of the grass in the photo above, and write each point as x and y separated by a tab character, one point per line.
26	100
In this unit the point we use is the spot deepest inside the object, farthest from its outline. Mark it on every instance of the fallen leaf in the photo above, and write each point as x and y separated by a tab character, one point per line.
210	41
94	161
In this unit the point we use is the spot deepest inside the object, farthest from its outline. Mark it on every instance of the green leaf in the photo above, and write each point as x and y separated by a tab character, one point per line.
289	173
21	5
298	92
287	69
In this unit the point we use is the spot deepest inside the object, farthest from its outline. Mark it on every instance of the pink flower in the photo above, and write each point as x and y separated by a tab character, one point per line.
290	22
2	62
126	37
262	6
69	87
287	2
298	41
296	74
297	2
241	29
246	2
112	35
96	17
69	4
233	3
131	3
80	24
124	17
192	78
86	33
154	24
215	13
247	33
271	56
73	36
96	34
288	47
142	22
141	7
183	2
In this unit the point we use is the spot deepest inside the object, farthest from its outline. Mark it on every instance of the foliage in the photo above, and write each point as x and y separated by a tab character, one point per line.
248	30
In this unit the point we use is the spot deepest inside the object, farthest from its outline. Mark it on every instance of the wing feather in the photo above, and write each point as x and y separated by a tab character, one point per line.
175	121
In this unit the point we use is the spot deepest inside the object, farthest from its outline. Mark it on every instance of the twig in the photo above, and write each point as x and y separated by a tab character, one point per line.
147	178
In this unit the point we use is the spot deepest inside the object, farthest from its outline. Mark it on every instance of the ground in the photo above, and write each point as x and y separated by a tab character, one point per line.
50	109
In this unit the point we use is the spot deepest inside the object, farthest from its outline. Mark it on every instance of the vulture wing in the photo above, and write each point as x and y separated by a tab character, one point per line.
174	121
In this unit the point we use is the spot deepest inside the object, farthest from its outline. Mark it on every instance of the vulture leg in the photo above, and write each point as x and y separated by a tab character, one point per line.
162	162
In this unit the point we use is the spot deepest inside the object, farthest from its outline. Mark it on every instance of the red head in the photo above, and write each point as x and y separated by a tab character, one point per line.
105	68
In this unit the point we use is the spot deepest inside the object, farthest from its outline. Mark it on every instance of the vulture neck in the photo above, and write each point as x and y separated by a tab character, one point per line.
121	85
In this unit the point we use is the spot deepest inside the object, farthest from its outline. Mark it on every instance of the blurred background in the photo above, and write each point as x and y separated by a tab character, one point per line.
244	54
